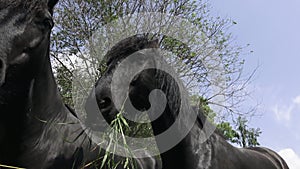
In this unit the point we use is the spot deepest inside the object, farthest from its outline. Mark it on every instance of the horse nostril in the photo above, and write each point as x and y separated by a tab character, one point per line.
104	103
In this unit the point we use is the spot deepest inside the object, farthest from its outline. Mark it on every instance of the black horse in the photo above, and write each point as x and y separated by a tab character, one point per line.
190	153
36	129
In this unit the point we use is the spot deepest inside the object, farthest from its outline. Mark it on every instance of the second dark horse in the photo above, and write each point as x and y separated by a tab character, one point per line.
189	153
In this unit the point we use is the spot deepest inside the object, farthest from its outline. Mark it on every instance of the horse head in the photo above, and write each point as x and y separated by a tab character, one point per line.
140	86
25	36
137	80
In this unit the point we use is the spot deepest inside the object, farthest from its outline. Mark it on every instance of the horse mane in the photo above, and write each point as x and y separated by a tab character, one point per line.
201	119
29	5
128	46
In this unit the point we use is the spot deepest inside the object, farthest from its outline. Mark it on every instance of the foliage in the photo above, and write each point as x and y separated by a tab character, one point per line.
116	136
64	81
209	63
241	134
238	133
247	136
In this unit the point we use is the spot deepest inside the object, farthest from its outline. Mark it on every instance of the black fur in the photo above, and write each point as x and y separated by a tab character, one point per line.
37	130
189	153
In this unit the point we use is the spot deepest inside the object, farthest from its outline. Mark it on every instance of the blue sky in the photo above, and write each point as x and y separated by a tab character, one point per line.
272	28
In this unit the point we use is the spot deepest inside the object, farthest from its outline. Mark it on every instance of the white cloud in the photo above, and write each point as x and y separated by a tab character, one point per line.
297	100
284	113
291	158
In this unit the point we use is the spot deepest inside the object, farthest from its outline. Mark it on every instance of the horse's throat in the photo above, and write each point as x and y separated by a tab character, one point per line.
13	108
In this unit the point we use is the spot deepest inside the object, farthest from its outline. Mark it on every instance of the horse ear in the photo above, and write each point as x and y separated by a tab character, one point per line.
154	43
52	3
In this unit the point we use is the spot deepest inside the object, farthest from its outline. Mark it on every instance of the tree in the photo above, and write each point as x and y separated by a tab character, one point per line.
208	62
247	136
241	135
64	83
237	132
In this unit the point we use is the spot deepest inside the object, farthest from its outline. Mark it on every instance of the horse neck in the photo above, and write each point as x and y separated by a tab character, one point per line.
22	97
45	103
42	134
182	155
13	108
192	152
45	99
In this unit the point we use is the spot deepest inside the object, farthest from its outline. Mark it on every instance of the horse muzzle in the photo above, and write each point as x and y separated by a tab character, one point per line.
2	71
